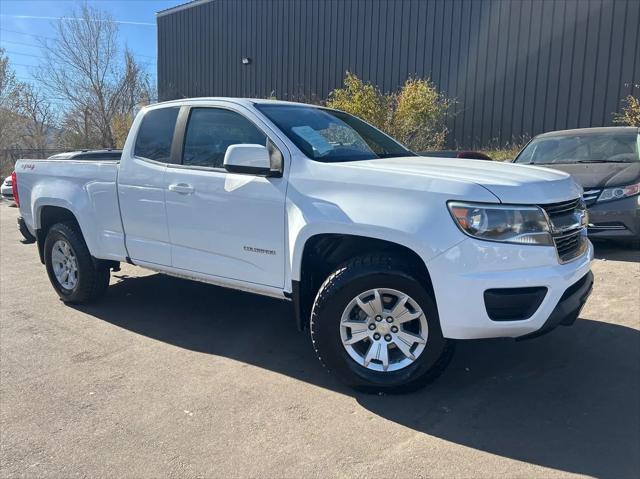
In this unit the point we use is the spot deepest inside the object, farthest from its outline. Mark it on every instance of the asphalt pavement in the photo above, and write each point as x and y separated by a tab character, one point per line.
170	378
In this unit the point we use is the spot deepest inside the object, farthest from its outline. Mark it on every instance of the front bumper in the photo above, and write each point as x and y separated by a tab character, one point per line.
461	275
568	308
619	219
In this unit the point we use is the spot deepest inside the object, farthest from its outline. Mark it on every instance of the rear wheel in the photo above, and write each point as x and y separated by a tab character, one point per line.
376	327
75	275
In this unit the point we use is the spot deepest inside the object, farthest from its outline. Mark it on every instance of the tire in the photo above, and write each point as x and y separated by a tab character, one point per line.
388	276
91	276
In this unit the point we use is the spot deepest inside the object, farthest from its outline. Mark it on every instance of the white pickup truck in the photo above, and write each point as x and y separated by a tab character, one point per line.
386	257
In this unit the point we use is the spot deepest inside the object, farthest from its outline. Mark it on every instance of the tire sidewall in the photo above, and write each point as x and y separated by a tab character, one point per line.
326	332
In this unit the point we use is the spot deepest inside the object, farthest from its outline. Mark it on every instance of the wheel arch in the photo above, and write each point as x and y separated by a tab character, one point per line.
47	216
322	253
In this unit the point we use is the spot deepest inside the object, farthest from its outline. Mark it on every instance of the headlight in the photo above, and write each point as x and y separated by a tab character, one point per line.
618	192
507	224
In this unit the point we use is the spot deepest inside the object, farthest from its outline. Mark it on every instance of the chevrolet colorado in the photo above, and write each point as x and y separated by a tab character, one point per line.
386	256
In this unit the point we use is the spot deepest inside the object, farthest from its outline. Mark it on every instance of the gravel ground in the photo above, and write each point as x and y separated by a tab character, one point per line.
169	378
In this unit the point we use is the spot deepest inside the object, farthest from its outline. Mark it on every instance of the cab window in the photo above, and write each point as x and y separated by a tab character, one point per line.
210	131
156	134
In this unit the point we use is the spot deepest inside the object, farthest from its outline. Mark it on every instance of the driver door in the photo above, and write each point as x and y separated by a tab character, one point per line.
221	224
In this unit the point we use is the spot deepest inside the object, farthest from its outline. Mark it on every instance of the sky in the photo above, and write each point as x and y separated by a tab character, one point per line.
24	22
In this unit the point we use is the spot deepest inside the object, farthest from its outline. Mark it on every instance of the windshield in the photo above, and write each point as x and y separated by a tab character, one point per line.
586	148
330	135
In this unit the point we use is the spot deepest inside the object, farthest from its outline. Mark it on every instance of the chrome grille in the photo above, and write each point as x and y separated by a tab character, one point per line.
570	245
564	207
591	196
569	235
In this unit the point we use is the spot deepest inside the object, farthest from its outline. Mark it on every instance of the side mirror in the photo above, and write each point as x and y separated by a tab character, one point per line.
249	159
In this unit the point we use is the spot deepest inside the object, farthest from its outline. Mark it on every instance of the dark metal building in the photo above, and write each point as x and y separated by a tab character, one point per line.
516	67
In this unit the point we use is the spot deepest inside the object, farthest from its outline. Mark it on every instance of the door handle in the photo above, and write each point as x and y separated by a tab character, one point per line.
182	188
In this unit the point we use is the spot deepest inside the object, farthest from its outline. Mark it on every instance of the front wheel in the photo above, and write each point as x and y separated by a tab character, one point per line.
377	328
74	274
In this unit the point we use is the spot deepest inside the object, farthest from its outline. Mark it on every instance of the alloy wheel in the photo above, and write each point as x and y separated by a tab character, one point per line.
384	329
65	264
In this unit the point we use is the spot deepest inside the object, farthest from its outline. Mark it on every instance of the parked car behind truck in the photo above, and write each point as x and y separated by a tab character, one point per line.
606	162
386	257
468	154
6	189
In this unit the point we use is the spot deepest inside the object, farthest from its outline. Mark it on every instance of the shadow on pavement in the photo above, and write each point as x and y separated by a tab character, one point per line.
569	400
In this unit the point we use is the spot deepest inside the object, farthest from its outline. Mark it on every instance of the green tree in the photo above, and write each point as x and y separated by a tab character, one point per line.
361	99
630	114
415	115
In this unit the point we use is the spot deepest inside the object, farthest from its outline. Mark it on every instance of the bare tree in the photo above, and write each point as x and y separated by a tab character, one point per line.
76	130
84	66
38	118
10	89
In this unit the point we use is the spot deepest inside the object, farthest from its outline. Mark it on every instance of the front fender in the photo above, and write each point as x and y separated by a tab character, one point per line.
416	230
401	208
308	231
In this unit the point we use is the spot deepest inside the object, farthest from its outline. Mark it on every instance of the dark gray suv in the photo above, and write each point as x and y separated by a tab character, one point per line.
606	163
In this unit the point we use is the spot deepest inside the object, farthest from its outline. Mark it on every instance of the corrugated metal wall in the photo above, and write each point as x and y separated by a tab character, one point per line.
516	67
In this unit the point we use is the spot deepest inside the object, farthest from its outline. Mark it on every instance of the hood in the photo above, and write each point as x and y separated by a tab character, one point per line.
510	182
602	175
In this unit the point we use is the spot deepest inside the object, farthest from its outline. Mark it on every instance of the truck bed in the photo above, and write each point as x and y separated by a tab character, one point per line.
87	188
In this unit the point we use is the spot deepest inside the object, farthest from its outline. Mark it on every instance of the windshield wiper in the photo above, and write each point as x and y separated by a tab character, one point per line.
605	161
395	155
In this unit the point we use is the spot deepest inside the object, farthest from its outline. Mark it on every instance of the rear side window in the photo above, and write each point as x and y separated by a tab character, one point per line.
211	131
155	134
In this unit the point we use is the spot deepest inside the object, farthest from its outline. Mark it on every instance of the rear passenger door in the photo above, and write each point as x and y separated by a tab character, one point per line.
222	224
141	188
